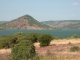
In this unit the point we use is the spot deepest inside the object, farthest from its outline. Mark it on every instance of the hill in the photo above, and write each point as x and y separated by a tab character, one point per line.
64	24
25	22
1	22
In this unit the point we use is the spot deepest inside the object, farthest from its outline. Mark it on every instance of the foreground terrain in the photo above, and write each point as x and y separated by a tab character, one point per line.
58	50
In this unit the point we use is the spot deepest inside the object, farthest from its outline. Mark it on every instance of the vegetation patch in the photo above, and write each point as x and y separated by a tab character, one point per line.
44	39
74	48
23	51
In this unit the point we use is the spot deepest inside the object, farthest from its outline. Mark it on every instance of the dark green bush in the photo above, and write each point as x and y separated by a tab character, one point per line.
24	50
33	37
44	39
7	41
74	48
36	57
21	38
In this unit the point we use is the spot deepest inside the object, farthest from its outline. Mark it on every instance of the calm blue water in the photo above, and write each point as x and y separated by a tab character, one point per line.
58	33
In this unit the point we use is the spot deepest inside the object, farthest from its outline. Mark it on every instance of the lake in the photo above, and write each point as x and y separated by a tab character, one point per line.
58	33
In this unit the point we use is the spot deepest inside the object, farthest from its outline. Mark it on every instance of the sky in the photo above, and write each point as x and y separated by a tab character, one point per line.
41	10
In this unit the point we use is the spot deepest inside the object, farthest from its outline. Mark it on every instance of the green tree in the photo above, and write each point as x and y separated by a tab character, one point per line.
44	39
24	50
3	43
21	38
19	34
7	41
33	37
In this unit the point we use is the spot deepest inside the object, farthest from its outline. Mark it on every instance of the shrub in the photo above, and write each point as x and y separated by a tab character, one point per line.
74	48
36	57
48	52
69	43
74	36
67	38
32	37
21	38
7	41
44	39
24	50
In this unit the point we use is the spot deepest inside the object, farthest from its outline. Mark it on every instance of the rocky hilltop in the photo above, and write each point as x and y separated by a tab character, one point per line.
25	22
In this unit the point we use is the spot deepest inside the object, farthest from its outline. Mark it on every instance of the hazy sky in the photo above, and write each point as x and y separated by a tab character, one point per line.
41	10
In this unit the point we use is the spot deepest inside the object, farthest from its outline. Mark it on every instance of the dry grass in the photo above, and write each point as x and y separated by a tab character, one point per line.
65	41
5	54
59	50
5	51
61	41
57	46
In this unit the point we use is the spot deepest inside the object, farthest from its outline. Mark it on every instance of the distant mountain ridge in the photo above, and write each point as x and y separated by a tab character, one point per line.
1	22
64	24
28	22
25	22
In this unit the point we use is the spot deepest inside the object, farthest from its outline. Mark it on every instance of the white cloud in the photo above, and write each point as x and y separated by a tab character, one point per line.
75	4
72	14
